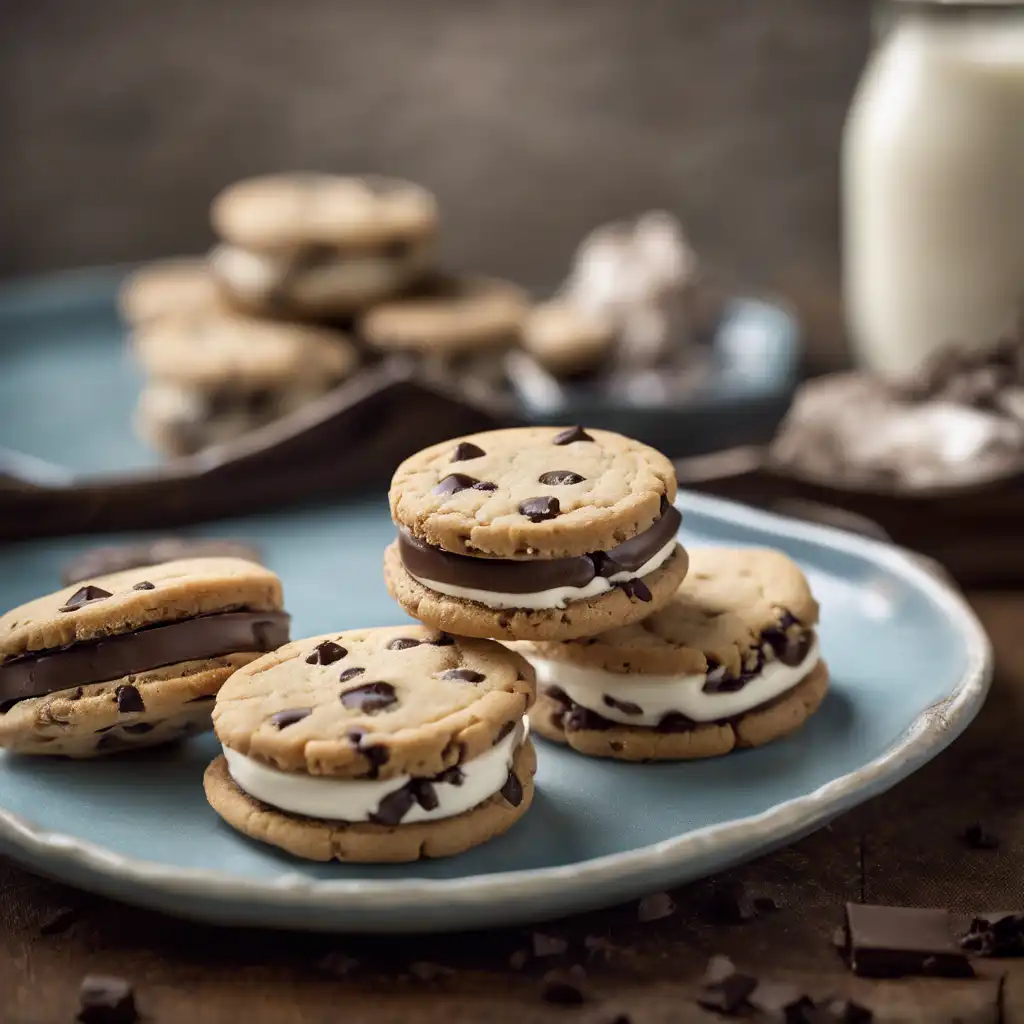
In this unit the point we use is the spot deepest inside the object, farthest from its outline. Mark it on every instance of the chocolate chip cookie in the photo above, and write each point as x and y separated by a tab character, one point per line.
133	658
385	744
169	289
538	533
731	661
316	245
568	341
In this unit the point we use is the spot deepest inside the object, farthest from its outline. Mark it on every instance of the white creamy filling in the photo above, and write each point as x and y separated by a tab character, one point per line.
254	274
333	799
658	695
557	597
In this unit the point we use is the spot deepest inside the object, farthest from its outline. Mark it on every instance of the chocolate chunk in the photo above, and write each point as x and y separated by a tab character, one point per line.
978	839
453	776
128	699
539	509
289	717
403	643
83	596
424	794
576	433
467	450
844	1011
485	485
326	653
394	807
635	588
104	999
350	673
467	675
560	476
59	922
778	1000
625	706
655	907
370	697
548	945
562	989
138	728
455	482
144	585
604	564
1000	934
725	990
889	942
443	640
376	753
505	729
512	791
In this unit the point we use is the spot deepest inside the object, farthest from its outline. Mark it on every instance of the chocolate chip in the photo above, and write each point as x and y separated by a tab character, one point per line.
138	728
443	640
539	509
560	476
370	698
455	482
424	794
350	673
562	989
512	791
572	434
467	675
655	907
376	753
403	643
467	450
104	999
59	922
485	485
128	699
144	585
84	595
289	717
326	653
394	807
453	776
977	838
995	935
76	694
845	1011
635	588
625	706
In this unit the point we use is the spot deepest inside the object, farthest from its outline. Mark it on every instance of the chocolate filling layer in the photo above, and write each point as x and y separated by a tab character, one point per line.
508	576
110	657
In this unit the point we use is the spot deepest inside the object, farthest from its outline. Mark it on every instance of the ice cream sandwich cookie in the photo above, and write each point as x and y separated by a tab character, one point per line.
134	658
385	744
537	533
731	661
316	245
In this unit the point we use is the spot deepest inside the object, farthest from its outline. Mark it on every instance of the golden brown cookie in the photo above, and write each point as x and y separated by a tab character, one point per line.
534	533
731	660
567	341
375	744
169	289
132	658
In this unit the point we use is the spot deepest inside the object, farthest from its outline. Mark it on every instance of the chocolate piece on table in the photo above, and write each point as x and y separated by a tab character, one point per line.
104	999
998	934
724	989
889	942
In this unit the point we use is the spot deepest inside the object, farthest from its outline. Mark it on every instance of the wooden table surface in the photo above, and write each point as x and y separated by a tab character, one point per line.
903	847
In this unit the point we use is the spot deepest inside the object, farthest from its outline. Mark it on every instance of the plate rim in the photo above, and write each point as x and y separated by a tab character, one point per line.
933	730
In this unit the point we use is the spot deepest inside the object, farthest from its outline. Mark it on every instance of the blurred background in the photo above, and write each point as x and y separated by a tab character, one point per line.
531	121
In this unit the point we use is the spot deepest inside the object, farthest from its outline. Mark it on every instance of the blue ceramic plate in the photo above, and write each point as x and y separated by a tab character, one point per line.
910	667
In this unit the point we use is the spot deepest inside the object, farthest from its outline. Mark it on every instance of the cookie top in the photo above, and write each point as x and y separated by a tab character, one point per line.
209	350
110	558
730	597
283	210
168	288
374	702
565	339
531	492
123	602
462	313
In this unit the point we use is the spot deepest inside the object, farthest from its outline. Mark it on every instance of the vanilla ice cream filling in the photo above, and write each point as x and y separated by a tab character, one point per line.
657	696
359	800
556	597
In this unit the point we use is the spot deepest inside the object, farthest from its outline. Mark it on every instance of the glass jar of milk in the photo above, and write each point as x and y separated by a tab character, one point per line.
933	184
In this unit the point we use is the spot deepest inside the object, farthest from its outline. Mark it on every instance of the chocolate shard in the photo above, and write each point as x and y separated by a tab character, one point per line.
282	719
537	510
376	753
625	706
997	934
326	653
465	675
424	794
370	698
105	999
403	643
891	942
443	640
467	450
394	807
144	585
560	477
576	433
350	673
635	589
128	699
512	791
485	485
83	596
453	776
453	483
